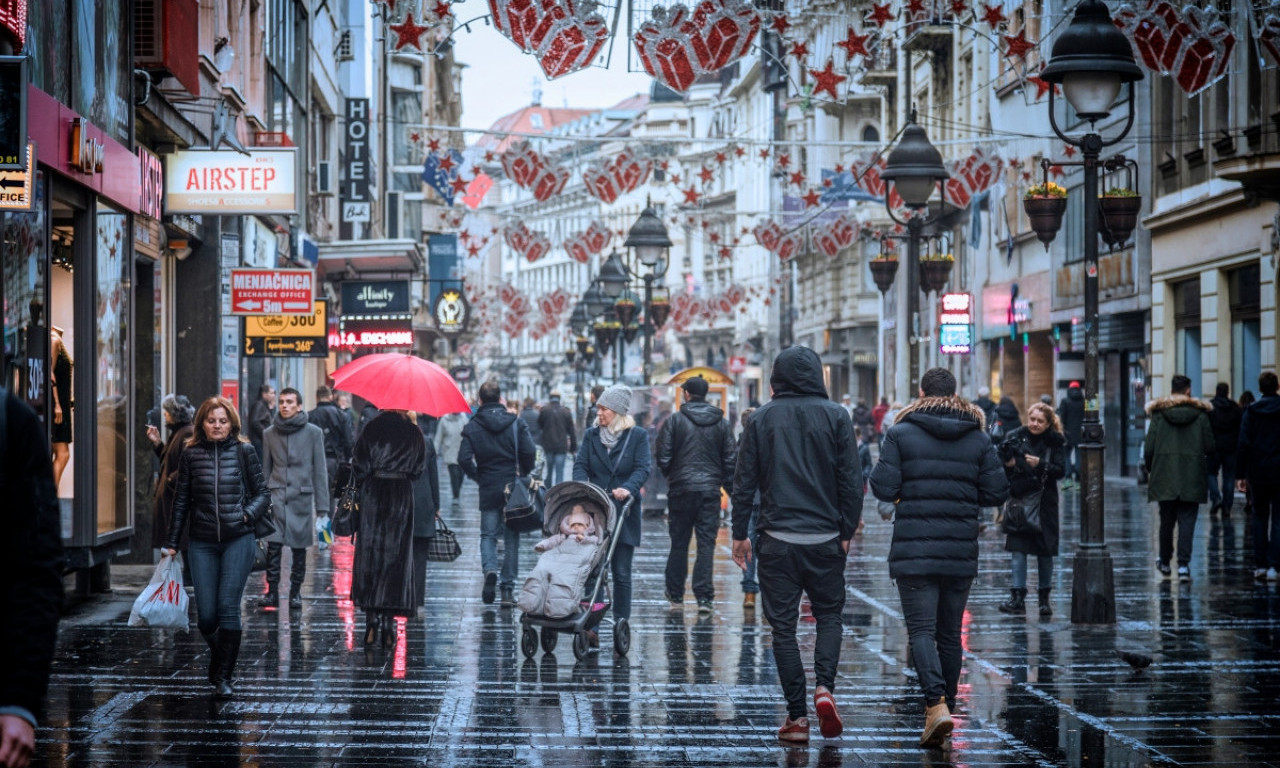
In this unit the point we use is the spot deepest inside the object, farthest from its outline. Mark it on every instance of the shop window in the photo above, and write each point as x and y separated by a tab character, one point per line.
1186	318
1246	328
113	258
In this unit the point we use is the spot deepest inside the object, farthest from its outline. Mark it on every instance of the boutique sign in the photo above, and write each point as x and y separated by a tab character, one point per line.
229	183
386	297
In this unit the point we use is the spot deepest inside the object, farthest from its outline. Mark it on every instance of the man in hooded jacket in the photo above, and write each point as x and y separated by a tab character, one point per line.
798	451
939	468
1071	413
496	448
1225	420
1176	451
695	452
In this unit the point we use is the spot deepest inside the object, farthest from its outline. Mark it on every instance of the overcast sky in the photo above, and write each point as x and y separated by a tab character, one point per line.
499	78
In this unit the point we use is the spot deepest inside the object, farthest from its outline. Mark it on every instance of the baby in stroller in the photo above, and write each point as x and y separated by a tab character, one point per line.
552	588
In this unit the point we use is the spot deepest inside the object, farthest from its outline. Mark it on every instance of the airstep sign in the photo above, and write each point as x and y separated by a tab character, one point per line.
272	291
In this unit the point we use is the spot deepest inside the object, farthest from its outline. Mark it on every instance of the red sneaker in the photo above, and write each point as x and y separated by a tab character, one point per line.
795	731
828	716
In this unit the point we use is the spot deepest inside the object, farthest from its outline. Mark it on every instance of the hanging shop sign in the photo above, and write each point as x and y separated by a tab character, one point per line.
384	297
451	312
13	113
15	186
373	332
955	324
228	183
272	291
151	183
354	196
288	335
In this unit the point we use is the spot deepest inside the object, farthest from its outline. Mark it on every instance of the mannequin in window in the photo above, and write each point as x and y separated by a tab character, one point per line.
60	433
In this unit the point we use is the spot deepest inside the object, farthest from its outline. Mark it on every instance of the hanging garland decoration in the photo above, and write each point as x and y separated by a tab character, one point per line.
531	170
624	173
972	176
675	45
1266	31
408	33
441	171
581	246
1193	45
880	15
563	35
831	238
553	307
529	243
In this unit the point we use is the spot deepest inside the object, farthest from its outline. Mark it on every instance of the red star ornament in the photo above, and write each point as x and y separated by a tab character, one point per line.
799	50
726	252
1057	171
706	174
446	163
797	178
714	237
415	137
691	195
739	151
827	79
409	33
827	183
459	184
1018	45
675	178
784	160
915	8
1042	86
839	168
811	198
473	250
1068	150
959	8
488	157
722	158
854	44
442	10
993	16
433	145
780	24
880	14
764	154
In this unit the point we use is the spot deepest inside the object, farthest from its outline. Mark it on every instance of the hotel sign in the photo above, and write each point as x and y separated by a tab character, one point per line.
229	183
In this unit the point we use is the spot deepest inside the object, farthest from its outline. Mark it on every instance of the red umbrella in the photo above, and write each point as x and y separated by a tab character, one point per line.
393	381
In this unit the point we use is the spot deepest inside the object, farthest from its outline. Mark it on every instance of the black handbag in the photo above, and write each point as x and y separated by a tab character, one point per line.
265	524
346	518
1022	514
260	556
443	547
523	510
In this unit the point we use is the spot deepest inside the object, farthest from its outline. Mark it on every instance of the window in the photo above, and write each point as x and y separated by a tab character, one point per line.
1246	328
535	121
1186	320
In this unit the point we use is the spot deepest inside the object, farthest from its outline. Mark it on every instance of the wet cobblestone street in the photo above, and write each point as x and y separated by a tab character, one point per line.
693	691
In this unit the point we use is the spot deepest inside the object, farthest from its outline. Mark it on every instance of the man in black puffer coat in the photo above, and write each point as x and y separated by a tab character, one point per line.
1224	419
939	467
491	443
695	452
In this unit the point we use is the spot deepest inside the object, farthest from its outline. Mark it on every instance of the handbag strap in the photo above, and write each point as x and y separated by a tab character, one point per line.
515	435
440	526
613	471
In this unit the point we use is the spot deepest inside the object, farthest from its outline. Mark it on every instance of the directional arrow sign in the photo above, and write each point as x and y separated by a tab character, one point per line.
272	291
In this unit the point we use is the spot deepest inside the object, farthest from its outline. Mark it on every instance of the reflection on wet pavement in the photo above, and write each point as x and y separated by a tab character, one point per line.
455	690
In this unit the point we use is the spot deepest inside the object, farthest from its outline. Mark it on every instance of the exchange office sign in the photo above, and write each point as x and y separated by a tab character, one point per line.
228	183
272	291
288	335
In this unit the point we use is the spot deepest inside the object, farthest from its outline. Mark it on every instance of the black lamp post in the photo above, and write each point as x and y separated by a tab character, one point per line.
649	241
914	168
1091	60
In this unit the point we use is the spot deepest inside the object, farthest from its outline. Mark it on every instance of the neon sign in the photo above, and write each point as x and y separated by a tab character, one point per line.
955	324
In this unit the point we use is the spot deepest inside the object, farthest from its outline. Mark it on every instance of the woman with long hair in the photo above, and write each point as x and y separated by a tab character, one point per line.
1035	459
220	493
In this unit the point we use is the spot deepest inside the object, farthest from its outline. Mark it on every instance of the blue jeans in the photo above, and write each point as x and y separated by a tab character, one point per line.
219	570
749	583
1044	564
1226	464
555	468
491	526
621	572
933	609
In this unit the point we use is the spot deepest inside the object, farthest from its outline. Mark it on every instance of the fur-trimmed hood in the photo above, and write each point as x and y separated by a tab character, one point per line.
1178	409
944	417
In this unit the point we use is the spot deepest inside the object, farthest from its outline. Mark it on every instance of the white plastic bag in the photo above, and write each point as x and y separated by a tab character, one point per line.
163	603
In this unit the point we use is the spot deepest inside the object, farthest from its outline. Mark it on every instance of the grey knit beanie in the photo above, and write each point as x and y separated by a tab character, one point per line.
617	399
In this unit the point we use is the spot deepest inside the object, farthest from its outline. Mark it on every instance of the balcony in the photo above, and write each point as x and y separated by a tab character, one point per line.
924	37
882	66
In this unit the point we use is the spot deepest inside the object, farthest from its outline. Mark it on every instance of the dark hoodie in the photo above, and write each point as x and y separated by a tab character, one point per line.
1225	420
1259	457
1178	443
798	451
1071	412
940	468
1007	413
695	449
488	452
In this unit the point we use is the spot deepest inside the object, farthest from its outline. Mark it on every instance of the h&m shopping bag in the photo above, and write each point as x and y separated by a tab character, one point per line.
163	603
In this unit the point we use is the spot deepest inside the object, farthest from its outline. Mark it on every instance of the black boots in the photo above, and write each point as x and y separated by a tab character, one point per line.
1017	602
215	661
1046	610
508	597
297	575
224	650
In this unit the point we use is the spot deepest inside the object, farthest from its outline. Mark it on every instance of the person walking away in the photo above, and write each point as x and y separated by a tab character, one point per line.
750	586
798	453
220	494
864	457
1071	414
614	454
877	418
940	468
31	565
559	438
695	451
529	415
1007	416
1242	485
447	442
389	456
426	503
260	414
338	435
1035	458
984	402
1178	443
496	448
1224	419
295	465
178	412
1259	462
862	417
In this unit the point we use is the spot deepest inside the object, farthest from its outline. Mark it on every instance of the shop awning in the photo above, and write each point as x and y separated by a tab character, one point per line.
370	258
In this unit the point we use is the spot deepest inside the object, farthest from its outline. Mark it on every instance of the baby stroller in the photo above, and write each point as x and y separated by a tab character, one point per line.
594	600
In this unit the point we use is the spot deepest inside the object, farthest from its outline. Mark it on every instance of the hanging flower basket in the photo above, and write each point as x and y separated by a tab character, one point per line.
1045	214
626	309
1119	216
883	272
934	274
659	311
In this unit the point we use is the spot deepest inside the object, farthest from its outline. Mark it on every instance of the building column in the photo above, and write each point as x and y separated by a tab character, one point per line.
1215	331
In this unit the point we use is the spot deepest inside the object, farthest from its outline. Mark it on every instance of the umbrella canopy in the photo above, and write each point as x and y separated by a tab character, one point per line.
393	381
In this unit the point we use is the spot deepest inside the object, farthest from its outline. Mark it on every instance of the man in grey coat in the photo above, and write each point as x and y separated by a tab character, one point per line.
293	463
448	440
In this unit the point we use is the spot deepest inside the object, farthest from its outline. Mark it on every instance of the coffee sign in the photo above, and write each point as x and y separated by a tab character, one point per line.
385	297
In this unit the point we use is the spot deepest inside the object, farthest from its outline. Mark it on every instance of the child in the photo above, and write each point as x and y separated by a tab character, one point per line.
552	589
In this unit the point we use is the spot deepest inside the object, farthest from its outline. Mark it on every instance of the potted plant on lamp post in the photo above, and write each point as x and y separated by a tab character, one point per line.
659	308
1045	203
935	270
1119	207
883	270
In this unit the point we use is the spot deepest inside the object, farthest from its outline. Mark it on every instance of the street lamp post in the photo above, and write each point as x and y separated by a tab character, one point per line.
914	168
649	241
1091	60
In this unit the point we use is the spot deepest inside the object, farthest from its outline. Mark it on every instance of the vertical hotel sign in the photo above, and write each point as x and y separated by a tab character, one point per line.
355	183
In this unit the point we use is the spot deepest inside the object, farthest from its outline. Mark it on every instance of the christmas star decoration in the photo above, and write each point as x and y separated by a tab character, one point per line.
675	178
1018	45
915	8
827	79
1042	86
459	184
473	250
764	154
1068	150
797	178
446	163
811	199
854	44
880	14
799	50
488	157
722	158
1057	171
726	252
959	8
706	174
839	168
714	237
475	170
784	160
441	10
780	24
408	33
826	182
465	236
993	15
691	195
415	137
433	145
739	151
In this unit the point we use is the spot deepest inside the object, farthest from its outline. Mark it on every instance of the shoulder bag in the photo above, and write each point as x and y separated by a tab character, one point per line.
443	547
346	518
523	510
1022	514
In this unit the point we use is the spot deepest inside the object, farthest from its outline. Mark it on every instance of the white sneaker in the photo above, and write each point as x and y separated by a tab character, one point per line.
1260	574
1184	574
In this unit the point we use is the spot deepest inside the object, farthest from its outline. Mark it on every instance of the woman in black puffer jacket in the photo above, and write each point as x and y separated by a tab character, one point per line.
220	493
1035	459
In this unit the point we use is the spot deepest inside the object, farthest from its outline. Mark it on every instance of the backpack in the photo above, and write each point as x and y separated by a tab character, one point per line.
996	431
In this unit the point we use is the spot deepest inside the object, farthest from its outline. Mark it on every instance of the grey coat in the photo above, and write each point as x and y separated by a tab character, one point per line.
449	436
294	466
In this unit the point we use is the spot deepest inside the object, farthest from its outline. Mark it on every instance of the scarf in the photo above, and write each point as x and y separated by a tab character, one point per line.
609	435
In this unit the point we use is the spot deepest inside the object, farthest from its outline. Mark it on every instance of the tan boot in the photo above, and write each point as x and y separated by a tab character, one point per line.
749	600
937	724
